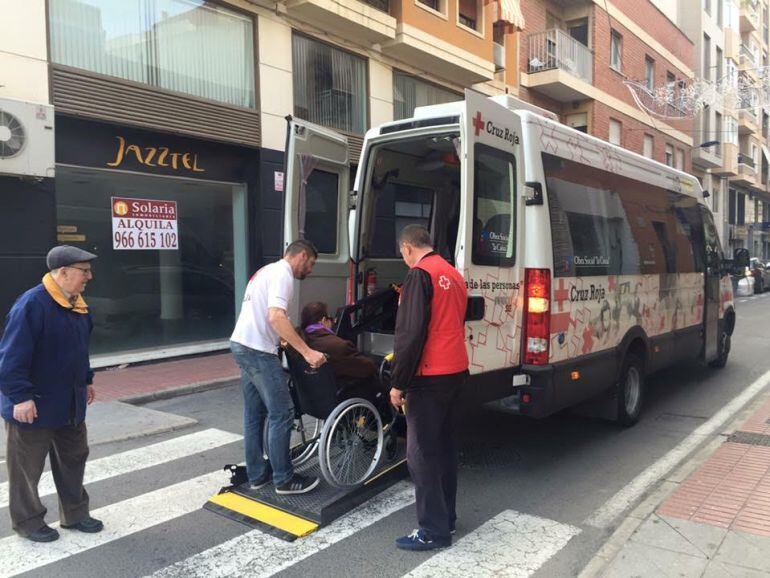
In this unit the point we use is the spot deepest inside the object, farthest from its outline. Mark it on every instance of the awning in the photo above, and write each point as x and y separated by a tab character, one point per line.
508	11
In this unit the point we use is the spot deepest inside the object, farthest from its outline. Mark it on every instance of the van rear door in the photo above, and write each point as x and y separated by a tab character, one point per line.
317	174
490	257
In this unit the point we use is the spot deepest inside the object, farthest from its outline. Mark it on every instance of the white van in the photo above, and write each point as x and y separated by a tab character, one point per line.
588	266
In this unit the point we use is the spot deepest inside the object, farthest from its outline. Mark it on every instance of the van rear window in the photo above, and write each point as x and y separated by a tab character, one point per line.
494	222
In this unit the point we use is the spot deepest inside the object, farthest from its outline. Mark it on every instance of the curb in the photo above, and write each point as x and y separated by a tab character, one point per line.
663	489
172	392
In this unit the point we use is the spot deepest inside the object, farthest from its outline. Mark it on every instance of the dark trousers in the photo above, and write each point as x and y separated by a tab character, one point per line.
67	449
431	449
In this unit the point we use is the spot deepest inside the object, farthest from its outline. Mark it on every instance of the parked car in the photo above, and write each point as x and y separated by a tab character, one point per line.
761	273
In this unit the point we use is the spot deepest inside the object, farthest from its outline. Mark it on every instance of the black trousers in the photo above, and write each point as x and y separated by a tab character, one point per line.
432	412
67	449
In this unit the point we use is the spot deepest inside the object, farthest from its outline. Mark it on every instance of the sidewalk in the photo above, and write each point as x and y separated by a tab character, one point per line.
713	519
164	379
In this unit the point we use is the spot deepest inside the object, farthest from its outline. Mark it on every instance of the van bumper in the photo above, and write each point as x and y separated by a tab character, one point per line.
533	392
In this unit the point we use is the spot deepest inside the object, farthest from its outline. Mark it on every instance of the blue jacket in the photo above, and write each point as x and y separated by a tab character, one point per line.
44	357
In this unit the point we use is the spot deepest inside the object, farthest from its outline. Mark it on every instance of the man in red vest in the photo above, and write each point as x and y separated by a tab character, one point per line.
430	368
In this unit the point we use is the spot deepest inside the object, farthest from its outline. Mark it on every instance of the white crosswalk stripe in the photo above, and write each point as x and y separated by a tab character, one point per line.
511	544
120	520
257	554
139	458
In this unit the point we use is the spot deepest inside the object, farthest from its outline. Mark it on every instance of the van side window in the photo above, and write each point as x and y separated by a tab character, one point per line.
494	219
589	223
321	211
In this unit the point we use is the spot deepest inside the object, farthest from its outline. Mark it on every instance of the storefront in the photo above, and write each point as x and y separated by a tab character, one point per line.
169	219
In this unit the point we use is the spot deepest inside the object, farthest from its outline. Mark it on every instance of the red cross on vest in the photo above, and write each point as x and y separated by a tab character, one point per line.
478	124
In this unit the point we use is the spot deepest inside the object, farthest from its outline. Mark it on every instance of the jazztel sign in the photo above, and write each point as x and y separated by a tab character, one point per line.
144	224
491	128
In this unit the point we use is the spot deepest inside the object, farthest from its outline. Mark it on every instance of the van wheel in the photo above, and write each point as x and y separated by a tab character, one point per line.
723	349
630	390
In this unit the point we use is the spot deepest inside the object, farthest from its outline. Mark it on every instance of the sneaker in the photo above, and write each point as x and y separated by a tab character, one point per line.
43	534
419	540
89	526
298	484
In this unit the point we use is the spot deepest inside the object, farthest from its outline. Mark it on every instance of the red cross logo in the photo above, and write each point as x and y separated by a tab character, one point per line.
561	295
478	124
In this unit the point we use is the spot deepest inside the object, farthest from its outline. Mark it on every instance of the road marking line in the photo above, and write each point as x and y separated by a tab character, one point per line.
256	554
120	520
139	459
511	544
629	494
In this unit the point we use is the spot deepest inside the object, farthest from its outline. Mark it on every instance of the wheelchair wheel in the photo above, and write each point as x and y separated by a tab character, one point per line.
351	443
305	434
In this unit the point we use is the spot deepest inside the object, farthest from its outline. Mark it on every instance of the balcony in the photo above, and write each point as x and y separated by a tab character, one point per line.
749	16
706	158
732	43
362	21
747	121
728	166
747	172
558	66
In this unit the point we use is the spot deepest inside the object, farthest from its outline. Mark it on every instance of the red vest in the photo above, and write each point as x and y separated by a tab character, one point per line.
444	351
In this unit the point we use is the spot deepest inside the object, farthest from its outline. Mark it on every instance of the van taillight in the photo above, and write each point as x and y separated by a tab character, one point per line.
537	313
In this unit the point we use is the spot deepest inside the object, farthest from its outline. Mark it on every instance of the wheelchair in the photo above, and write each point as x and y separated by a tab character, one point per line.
350	434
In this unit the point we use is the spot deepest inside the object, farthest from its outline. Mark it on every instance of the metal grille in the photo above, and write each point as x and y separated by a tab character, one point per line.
84	94
753	439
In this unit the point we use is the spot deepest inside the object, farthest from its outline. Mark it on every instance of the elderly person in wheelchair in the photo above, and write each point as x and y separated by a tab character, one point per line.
342	410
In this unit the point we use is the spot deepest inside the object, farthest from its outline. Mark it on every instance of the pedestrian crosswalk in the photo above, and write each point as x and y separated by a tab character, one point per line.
510	543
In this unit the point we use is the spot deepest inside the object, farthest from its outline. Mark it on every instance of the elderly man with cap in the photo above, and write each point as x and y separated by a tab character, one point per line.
45	385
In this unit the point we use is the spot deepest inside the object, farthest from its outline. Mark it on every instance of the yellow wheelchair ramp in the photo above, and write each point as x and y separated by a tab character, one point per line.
292	517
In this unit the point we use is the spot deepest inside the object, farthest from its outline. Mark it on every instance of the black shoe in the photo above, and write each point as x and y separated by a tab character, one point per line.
298	484
89	526
44	534
420	540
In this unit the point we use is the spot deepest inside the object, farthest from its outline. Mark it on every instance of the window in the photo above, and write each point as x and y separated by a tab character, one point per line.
719	66
741	217
329	85
732	202
649	73
706	129
669	155
615	132
707	6
578	121
579	31
707	57
469	14
719	137
616	50
720	13
189	46
648	146
410	92
679	163
322	198
432	4
494	228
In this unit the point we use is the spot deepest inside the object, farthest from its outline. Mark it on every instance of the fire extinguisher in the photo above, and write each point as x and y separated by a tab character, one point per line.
370	282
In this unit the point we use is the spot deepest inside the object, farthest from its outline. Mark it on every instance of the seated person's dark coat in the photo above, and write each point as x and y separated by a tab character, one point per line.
345	359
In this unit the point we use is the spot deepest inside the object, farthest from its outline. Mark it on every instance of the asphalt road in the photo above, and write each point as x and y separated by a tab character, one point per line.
553	473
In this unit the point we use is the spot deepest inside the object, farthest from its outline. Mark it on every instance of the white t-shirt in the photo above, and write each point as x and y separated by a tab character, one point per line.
271	286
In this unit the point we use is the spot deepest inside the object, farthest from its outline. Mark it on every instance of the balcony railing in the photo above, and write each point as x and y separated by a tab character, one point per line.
555	49
746	160
383	5
748	56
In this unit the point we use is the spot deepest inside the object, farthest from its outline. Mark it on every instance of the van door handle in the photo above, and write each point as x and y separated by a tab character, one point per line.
475	308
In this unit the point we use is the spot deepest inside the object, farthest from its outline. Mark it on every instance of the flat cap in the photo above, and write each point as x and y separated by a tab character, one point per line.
65	255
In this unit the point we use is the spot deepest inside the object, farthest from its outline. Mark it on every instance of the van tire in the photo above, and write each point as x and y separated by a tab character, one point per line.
630	390
723	350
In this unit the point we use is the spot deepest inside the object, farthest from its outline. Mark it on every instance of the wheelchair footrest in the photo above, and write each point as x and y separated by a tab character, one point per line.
295	516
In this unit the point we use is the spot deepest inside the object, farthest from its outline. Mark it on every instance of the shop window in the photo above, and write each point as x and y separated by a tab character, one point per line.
615	136
649	143
410	92
321	214
494	219
329	85
189	46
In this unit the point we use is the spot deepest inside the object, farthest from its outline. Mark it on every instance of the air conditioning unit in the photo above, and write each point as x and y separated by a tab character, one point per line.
26	139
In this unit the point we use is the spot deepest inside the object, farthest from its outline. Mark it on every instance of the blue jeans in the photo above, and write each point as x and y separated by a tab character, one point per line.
265	396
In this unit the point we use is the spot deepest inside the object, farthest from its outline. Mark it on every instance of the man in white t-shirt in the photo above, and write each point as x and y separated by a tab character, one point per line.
260	327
